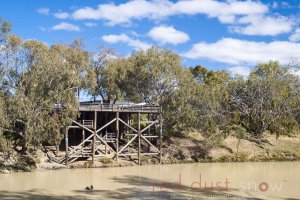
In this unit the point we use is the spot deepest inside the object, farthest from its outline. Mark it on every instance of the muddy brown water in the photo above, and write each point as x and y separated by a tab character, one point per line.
272	180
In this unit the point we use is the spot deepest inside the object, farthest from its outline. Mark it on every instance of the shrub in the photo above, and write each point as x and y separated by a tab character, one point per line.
88	164
236	157
106	161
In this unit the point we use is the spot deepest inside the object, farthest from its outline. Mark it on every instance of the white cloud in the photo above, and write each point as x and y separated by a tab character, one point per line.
234	51
155	9
263	25
124	13
90	24
225	11
245	17
239	71
43	11
295	37
168	34
66	26
61	15
123	38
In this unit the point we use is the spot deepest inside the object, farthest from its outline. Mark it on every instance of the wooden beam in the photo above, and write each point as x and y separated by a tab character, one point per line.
156	121
87	139
103	141
117	136
128	143
83	135
139	138
82	126
94	136
150	136
128	154
148	119
160	136
150	143
67	146
57	149
136	154
74	127
100	129
128	125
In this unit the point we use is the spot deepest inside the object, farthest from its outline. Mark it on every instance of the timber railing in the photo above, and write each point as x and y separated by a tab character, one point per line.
119	107
87	123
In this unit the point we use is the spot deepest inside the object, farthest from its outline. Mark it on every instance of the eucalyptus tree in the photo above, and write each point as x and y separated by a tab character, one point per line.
108	71
268	100
211	103
5	28
156	76
42	99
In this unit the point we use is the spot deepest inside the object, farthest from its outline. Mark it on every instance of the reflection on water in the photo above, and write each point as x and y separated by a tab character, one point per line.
186	181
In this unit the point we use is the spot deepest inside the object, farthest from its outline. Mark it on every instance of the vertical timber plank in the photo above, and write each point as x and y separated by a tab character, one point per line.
83	135
139	138
94	138
117	136
67	146
160	136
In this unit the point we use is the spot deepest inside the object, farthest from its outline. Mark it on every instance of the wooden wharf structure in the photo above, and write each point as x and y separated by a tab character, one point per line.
113	131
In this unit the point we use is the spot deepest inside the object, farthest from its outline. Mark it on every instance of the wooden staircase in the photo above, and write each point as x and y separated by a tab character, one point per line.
85	149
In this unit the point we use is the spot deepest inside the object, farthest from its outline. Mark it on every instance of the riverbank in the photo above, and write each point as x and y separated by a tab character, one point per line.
177	181
194	148
189	149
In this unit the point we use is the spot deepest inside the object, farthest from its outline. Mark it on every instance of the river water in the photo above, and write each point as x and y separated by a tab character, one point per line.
272	180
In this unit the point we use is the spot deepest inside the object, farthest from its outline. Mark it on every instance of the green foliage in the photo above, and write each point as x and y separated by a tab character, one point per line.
44	99
239	132
5	28
106	161
210	104
154	76
200	73
37	85
236	157
267	100
88	164
109	72
25	163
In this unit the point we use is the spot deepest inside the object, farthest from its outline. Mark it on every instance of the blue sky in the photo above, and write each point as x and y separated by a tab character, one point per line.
219	34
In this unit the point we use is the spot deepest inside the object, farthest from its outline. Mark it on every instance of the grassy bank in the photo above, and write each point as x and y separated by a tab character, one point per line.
194	148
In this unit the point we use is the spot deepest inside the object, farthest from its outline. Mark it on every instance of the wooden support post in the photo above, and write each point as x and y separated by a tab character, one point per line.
127	121
139	138
127	128
83	135
94	137
149	130
160	136
117	136
106	121
67	146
